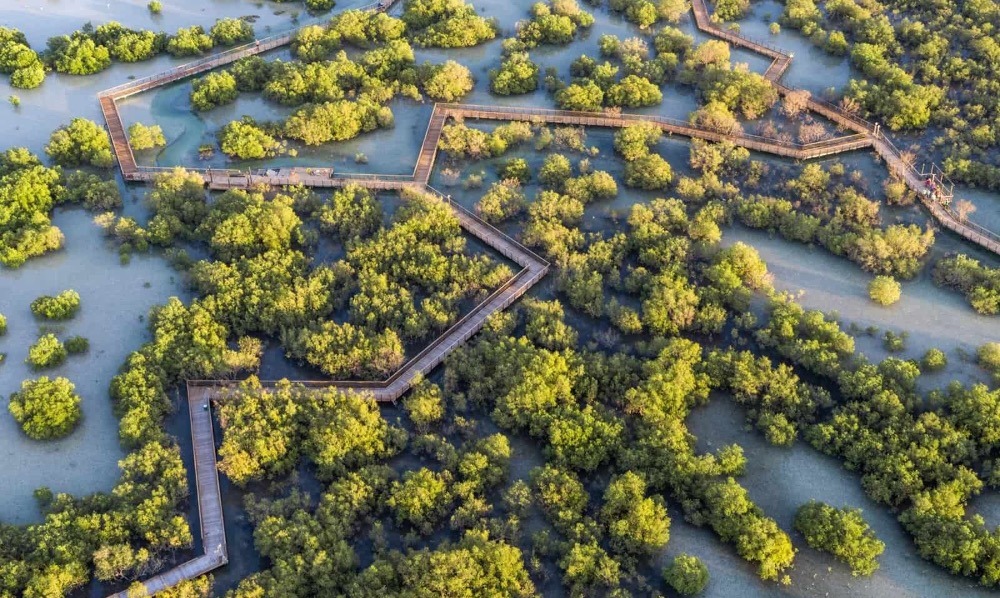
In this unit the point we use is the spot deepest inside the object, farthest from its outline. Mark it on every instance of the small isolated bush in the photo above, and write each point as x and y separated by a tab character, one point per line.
3	324
14	100
245	140
142	137
884	290
47	352
61	307
687	575
446	82
77	344
841	532
46	409
81	143
934	360
155	7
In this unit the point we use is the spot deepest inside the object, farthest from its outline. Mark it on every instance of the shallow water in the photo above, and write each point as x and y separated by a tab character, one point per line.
114	301
114	296
62	97
780	480
934	317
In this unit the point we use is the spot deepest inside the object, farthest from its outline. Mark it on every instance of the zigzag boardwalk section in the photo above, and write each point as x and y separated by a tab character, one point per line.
670	126
213	532
894	159
201	393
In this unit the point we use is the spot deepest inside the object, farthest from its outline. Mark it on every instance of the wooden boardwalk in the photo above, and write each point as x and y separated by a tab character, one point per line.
861	134
213	531
894	159
201	393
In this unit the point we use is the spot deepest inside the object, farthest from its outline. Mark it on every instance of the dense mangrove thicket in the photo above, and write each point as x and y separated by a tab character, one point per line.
550	454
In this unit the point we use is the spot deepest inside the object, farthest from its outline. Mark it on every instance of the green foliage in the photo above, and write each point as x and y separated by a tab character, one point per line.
143	137
192	41
634	141
641	12
461	141
555	171
979	283
77	55
266	431
447	82
229	32
845	222
637	524
884	290
586	97
155	7
46	352
778	402
129	45
686	574
46	409
633	92
82	142
60	307
424	405
841	532
350	212
475	566
516	169
503	201
805	337
649	172
77	344
446	24
3	324
545	327
988	356
214	89
732	10
421	499
934	360
19	60
554	23
336	121
517	75
245	140
252	73
28	192
366	28
315	42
